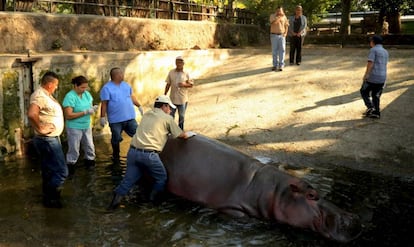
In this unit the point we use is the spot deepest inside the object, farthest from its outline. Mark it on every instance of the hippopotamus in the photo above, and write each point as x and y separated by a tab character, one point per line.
220	177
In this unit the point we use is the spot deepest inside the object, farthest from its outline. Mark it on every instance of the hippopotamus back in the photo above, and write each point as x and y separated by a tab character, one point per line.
214	174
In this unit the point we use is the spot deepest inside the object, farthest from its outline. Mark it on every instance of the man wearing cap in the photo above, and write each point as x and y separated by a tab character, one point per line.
374	77
149	140
179	81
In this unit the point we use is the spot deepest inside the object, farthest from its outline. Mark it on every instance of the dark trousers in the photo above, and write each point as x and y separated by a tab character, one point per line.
181	114
129	126
371	94
296	44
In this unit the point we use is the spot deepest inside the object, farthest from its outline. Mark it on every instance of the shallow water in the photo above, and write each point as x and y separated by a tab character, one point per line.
385	204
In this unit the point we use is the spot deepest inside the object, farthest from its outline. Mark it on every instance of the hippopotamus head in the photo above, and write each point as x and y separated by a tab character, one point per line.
302	207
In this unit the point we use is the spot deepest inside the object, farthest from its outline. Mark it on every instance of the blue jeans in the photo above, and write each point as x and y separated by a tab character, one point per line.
76	138
278	50
52	158
181	114
373	90
139	162
129	126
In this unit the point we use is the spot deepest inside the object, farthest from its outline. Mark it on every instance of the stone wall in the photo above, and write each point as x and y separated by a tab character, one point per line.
145	71
72	45
46	32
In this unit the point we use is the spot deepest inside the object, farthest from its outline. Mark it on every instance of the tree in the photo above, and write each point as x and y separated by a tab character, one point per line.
2	5
311	8
345	17
392	9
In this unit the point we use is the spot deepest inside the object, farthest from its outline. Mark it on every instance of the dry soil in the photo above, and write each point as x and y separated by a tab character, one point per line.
310	114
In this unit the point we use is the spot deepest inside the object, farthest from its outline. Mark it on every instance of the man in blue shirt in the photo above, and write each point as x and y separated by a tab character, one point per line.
117	108
374	77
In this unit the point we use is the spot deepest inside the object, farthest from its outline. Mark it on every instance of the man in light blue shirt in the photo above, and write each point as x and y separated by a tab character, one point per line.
374	77
117	105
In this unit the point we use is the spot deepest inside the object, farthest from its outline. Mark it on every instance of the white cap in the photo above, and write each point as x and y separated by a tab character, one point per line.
179	58
165	99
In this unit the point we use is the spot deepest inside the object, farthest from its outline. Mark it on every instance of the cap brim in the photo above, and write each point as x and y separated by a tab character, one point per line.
172	105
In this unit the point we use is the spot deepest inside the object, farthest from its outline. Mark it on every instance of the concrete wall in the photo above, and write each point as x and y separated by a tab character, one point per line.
71	45
145	71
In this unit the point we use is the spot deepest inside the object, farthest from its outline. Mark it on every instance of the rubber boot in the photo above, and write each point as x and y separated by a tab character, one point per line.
116	200
47	197
71	169
51	198
155	197
115	153
89	164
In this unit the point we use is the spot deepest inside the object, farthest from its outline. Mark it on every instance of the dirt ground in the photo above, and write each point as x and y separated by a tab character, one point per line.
310	114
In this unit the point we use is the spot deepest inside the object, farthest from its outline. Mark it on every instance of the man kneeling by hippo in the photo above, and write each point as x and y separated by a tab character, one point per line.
143	155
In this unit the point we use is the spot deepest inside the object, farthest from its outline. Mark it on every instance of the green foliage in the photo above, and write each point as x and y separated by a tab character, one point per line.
64	8
407	27
11	106
57	44
311	8
391	6
94	87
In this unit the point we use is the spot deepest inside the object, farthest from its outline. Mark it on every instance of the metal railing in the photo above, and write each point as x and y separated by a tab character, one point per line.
159	9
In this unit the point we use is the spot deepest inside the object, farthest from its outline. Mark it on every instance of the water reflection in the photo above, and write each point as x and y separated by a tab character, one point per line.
384	203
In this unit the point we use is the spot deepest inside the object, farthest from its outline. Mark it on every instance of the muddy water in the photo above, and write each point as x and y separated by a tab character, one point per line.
385	204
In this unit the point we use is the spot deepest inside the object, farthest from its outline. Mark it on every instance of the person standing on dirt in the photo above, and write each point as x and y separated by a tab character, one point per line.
46	118
117	108
297	31
374	77
179	81
385	26
278	30
78	108
143	155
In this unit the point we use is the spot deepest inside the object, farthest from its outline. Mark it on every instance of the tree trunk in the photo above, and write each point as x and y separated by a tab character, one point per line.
345	17
394	20
2	5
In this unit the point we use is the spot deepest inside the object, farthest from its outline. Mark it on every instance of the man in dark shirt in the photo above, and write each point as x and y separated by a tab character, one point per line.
297	32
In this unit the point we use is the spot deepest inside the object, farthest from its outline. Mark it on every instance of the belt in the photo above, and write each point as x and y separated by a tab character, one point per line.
145	150
46	137
277	33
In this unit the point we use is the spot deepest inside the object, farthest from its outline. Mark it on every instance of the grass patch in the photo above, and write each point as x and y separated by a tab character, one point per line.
407	27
